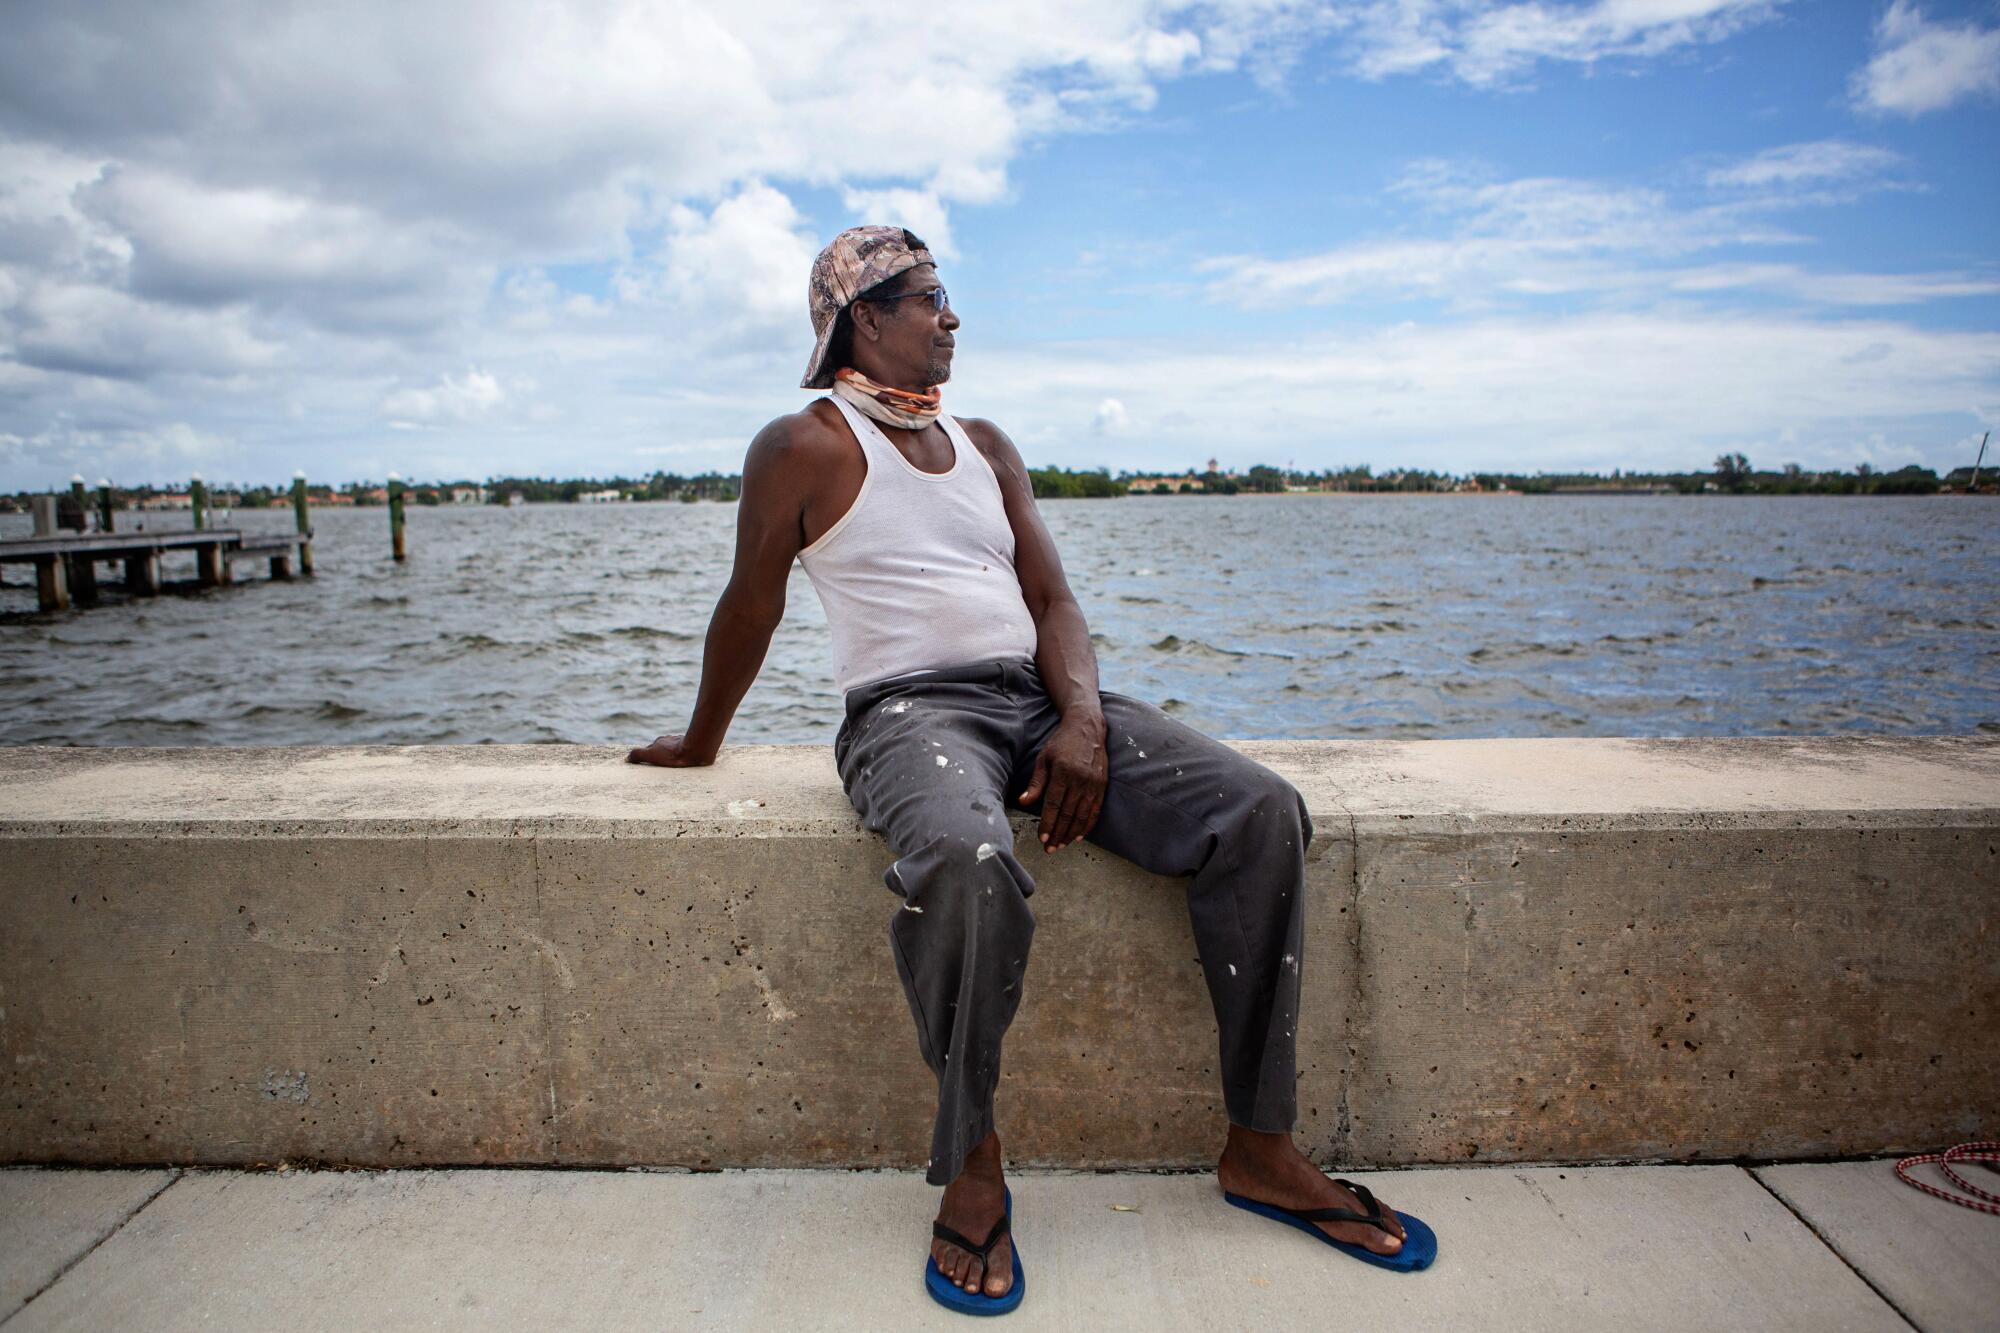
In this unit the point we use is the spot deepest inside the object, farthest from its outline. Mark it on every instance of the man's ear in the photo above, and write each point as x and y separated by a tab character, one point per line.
866	320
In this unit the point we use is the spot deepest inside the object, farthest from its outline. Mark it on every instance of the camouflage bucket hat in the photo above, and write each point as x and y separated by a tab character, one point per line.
854	261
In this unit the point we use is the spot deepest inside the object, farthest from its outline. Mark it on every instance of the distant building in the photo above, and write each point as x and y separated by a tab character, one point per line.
1146	485
176	500
600	497
468	495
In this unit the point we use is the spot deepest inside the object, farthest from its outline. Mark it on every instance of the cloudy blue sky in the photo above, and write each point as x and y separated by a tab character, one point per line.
470	239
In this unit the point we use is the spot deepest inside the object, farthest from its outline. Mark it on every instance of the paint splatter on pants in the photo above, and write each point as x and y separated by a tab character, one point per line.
933	763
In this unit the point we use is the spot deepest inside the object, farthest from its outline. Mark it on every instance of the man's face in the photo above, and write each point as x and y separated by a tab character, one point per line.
916	337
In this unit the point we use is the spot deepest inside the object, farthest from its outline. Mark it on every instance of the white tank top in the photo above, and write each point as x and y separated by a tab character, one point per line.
919	572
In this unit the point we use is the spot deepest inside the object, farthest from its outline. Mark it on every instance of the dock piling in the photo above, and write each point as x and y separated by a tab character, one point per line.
142	574
210	569
396	545
105	521
82	576
51	581
299	512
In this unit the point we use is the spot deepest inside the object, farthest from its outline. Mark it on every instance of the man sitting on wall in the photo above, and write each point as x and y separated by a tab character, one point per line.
970	680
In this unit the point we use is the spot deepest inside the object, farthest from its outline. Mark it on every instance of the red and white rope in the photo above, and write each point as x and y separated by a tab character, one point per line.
1988	1152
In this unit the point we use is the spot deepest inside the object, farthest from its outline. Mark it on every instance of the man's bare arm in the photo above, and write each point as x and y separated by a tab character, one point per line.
1071	771
768	538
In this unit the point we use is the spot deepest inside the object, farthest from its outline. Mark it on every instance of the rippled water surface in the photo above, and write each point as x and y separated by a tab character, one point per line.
1333	616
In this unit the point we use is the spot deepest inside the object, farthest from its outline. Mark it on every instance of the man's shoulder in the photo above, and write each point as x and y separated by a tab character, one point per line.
990	440
812	431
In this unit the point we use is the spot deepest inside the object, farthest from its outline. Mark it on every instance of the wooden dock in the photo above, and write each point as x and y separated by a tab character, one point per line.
66	565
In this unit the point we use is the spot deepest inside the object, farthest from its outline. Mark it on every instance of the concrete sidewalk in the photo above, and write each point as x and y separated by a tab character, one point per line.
1821	1247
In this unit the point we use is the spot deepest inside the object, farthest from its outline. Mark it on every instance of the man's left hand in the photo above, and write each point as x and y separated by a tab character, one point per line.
1069	776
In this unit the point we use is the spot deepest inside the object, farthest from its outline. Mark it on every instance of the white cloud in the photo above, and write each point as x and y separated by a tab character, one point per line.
100	331
167	451
919	210
1826	160
1495	44
1513	240
737	272
334	263
1848	289
578	235
1595	391
1921	66
457	398
1531	236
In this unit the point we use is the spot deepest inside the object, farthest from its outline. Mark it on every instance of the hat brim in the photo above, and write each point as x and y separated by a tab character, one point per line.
819	375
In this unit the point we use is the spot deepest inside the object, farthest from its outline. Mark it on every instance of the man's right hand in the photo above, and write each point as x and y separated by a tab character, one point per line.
669	752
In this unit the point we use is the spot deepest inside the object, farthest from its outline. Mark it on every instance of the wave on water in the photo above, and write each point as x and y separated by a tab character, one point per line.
646	633
531	625
1178	646
1333	627
1512	652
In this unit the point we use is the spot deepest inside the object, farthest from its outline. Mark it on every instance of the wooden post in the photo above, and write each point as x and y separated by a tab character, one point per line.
82	575
51	588
82	505
198	498
396	546
142	574
305	523
105	521
210	569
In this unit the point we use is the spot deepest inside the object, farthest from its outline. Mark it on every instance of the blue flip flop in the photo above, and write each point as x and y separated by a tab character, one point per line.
1420	1243
946	1293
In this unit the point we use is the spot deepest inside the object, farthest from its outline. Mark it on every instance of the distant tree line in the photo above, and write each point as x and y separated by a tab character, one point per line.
1732	474
657	486
1055	483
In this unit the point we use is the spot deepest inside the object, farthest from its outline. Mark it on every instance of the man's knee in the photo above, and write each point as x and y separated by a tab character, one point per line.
968	863
1269	795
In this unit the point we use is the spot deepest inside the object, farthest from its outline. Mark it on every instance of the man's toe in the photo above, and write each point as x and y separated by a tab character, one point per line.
1002	1275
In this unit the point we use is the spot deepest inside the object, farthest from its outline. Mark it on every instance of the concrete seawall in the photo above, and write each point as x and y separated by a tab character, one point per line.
1542	950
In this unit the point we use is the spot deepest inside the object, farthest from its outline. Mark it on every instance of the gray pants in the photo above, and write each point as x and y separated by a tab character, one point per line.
932	762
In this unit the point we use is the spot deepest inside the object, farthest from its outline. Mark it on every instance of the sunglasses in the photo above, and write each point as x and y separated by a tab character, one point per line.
936	296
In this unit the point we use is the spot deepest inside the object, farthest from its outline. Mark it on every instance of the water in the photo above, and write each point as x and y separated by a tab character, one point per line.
1246	616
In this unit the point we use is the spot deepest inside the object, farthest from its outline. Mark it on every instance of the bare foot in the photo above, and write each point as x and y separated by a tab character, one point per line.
972	1204
1270	1169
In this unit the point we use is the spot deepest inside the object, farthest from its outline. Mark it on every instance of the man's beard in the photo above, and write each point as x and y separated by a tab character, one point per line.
936	373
